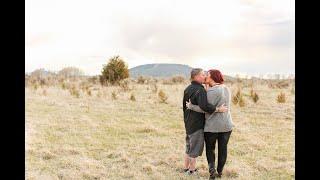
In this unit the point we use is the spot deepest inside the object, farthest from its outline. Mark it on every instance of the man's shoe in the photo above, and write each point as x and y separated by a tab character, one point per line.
219	174
192	172
212	177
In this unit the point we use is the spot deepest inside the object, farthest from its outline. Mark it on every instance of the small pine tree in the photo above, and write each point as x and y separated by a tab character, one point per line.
132	97
255	97
114	95
63	86
236	98
89	92
281	98
114	71
242	102
35	87
163	97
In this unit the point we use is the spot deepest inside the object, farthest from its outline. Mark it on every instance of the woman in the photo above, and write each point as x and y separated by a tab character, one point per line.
218	126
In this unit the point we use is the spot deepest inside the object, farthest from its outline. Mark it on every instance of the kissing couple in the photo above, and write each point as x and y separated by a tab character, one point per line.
207	119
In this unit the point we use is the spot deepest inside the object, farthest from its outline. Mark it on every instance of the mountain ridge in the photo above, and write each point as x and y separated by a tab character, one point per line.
160	70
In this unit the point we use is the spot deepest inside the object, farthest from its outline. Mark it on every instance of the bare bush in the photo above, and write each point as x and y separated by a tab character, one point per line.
178	79
70	72
167	82
84	85
155	80
42	77
41	73
141	80
283	84
173	80
278	84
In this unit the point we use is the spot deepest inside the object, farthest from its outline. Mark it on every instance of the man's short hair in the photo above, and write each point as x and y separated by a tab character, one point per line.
195	71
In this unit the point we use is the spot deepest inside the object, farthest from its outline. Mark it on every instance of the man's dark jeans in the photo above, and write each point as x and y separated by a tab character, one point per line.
210	140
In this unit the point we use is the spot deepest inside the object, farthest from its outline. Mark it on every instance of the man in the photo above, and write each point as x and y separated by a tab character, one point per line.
194	121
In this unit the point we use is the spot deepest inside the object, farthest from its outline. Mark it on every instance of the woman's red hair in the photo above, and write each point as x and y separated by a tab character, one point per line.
216	75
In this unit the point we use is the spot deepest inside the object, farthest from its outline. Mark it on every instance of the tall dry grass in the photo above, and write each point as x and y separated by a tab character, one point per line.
96	137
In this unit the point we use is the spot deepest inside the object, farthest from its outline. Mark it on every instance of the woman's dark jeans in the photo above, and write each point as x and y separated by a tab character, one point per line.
210	140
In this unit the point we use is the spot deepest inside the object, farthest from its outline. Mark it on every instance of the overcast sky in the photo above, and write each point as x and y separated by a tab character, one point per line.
235	36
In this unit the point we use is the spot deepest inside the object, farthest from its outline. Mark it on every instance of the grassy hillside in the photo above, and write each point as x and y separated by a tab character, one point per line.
100	137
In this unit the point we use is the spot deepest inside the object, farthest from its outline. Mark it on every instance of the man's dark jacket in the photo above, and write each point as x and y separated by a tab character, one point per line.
193	120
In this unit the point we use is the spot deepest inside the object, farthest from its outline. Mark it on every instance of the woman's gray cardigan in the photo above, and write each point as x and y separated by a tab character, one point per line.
217	122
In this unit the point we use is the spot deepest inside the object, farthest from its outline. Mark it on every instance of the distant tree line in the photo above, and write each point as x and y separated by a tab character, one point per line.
112	73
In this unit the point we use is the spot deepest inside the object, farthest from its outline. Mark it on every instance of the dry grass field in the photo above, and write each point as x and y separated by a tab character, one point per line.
116	133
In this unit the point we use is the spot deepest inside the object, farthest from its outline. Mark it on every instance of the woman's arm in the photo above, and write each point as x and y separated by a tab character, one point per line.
194	107
214	96
202	102
197	108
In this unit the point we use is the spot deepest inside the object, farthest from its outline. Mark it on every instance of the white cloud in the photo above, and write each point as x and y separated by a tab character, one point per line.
230	35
